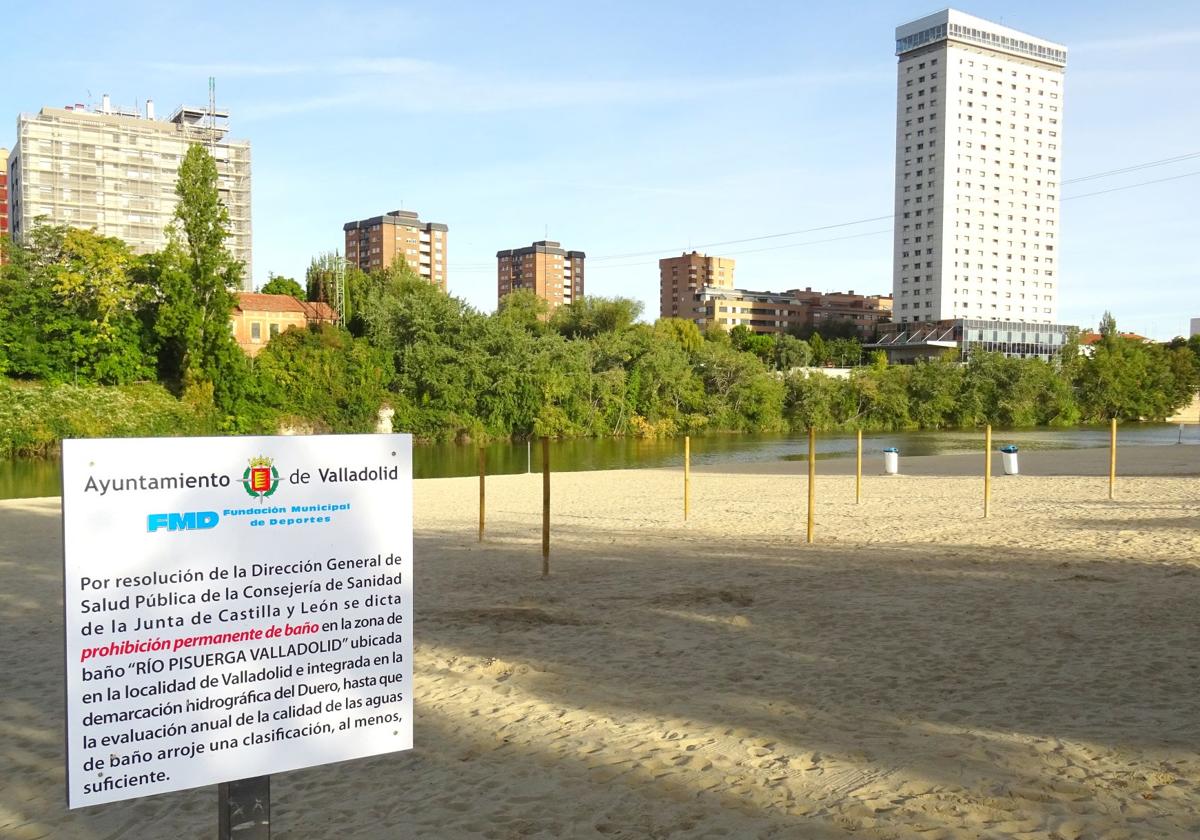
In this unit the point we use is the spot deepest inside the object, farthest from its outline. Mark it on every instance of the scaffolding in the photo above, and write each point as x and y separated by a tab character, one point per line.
115	170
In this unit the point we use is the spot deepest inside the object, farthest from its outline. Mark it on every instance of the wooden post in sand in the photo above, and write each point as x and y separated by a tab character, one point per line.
1112	458
687	473
482	493
987	472
545	507
812	478
858	471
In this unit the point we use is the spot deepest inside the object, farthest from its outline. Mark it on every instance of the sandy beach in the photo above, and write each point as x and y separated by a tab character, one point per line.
919	672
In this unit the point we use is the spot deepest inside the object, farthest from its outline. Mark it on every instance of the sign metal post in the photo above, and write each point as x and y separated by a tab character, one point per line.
244	809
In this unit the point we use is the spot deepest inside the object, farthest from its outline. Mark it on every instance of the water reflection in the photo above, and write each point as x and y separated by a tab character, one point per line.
26	478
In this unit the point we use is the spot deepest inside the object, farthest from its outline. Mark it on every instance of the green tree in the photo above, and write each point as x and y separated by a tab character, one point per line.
820	351
662	385
321	285
881	397
845	352
1115	381
740	393
432	340
740	337
322	377
277	284
195	276
1184	376
762	346
681	331
1108	325
791	352
814	400
70	309
526	309
1071	357
934	391
591	316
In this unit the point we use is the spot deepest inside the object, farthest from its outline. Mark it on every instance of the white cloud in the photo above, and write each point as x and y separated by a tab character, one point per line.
398	83
288	106
230	69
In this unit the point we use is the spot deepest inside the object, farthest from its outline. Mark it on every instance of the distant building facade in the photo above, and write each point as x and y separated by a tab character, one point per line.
376	243
3	191
257	318
115	170
1194	328
681	278
979	110
794	311
3	202
544	268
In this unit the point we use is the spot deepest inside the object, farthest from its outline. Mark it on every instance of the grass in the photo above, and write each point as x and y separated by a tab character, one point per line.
35	417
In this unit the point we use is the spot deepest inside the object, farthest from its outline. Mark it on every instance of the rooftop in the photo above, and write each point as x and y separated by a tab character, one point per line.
403	218
953	25
1088	338
259	302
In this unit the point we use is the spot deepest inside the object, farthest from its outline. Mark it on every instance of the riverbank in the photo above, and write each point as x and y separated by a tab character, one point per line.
1140	461
917	673
27	478
36	416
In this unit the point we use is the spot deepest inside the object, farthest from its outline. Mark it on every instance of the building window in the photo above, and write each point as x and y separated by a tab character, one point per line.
256	331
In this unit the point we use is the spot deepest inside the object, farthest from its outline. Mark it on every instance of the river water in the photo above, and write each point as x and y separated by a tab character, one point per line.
24	478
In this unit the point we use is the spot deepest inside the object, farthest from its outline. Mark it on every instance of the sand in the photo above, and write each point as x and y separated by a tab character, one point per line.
917	673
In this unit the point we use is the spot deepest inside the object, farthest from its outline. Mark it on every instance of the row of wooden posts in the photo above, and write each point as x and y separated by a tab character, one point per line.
812	482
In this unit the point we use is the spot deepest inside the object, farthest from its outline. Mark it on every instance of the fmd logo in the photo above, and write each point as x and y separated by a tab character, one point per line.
196	520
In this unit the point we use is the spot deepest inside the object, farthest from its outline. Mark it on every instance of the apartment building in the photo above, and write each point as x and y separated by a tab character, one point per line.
979	111
3	191
544	268
681	278
114	169
795	311
376	243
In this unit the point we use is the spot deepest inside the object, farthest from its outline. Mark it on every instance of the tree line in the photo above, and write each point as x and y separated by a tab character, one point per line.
79	308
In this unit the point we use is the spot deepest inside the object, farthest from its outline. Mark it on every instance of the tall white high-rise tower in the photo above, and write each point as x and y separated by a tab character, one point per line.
979	112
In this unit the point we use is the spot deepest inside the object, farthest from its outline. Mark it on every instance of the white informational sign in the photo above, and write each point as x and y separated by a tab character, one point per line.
234	607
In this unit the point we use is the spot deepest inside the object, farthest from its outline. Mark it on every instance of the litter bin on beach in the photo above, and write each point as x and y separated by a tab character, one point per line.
891	461
1009	455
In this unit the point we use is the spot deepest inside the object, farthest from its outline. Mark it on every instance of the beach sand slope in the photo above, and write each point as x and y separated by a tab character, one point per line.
919	672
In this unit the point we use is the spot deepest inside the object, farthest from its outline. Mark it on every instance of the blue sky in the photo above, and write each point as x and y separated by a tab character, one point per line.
624	128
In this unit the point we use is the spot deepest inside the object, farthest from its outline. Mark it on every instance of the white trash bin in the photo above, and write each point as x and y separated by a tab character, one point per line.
891	461
1008	455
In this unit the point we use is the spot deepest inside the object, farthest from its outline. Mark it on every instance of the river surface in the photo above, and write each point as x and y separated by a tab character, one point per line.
25	478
